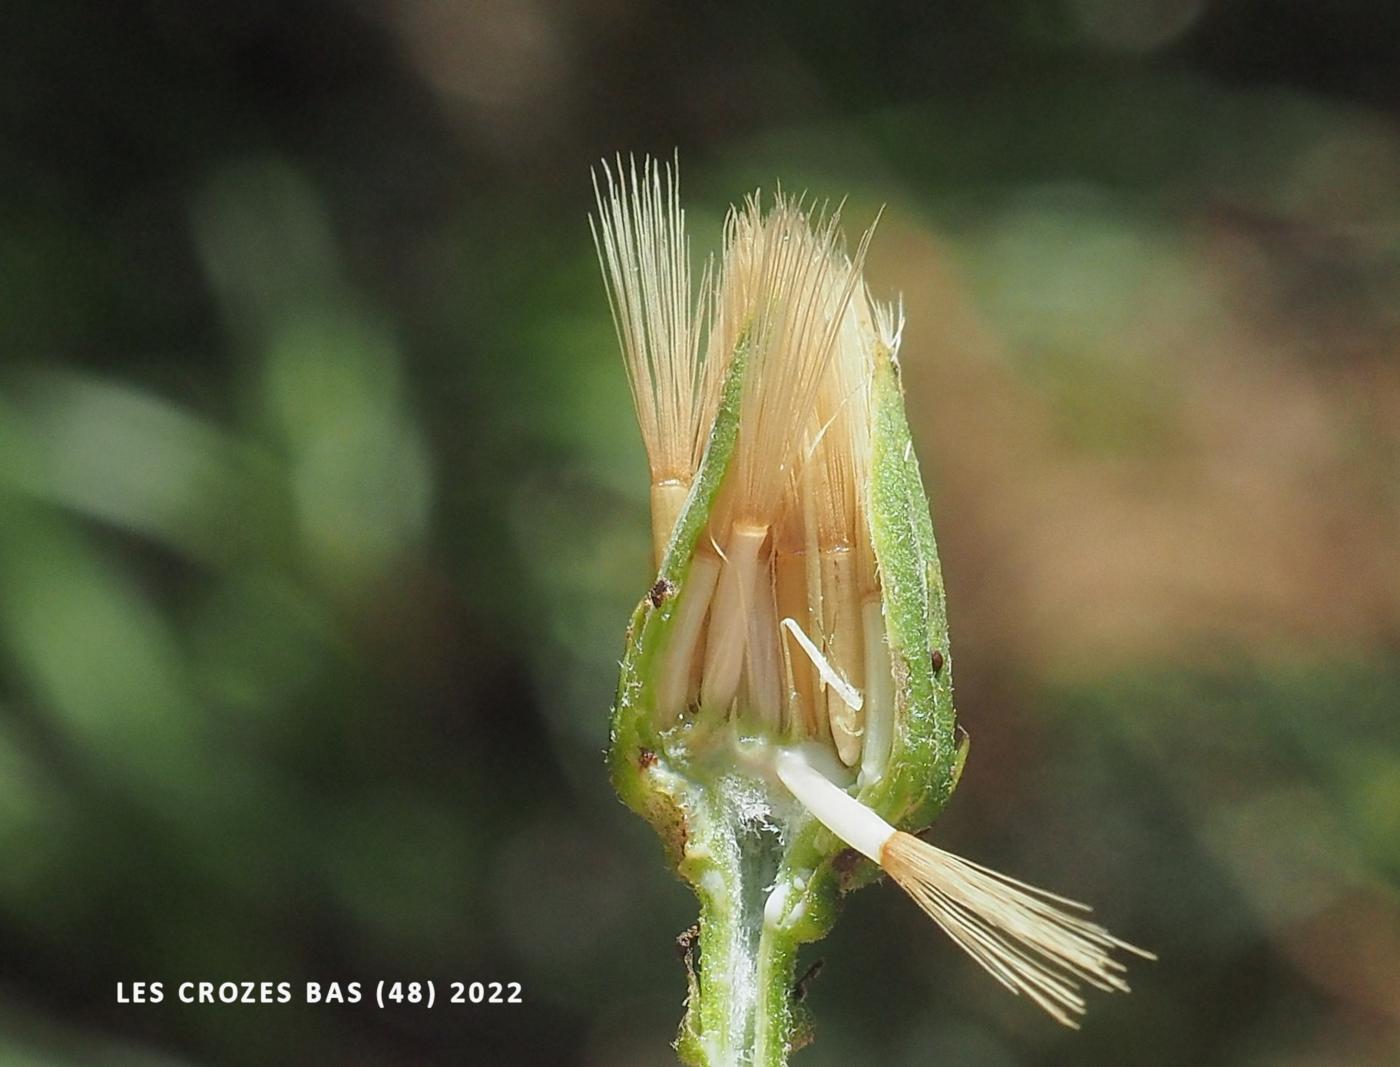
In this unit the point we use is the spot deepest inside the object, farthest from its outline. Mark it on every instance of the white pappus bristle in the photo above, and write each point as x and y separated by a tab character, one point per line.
789	286
644	252
785	287
1023	936
889	323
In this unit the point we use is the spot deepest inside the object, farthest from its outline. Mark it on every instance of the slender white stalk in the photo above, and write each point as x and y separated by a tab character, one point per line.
844	645
879	692
829	675
762	664
837	810
790	578
667	500
678	659
729	617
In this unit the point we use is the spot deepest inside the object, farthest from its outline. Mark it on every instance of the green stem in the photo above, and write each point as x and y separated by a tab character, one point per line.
774	1025
741	1012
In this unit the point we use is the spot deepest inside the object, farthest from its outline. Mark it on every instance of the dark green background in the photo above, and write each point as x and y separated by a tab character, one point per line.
322	510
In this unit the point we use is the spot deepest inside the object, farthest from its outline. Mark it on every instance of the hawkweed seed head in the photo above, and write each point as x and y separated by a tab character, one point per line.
785	706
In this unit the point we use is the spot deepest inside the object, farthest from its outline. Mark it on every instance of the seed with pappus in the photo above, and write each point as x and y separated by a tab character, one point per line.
786	693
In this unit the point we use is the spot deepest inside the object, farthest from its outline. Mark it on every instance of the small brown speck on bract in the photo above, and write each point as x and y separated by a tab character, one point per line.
937	661
661	592
845	862
645	758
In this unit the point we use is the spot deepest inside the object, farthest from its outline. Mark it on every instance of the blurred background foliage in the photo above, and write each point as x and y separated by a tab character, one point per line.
321	509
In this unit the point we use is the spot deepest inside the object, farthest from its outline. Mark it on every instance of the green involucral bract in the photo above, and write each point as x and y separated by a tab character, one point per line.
770	877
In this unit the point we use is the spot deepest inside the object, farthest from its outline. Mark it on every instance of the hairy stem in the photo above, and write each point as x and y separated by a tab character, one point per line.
775	1021
740	1012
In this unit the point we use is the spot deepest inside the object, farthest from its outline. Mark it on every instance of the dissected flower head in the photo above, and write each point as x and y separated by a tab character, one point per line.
799	658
